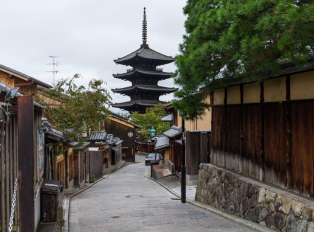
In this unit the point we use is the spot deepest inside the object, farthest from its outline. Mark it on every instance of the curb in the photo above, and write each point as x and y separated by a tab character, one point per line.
211	209
66	201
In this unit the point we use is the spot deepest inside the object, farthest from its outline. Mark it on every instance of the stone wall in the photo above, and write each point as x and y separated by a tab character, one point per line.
254	201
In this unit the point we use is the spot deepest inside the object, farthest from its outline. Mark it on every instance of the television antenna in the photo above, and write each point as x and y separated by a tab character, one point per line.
54	71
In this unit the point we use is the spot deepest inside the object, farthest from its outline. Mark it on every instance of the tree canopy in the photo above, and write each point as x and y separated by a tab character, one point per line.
152	117
232	38
81	109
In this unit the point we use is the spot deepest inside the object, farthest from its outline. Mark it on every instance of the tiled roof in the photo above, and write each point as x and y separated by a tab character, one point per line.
45	124
26	76
98	135
85	144
145	88
173	132
55	133
162	142
146	103
145	53
71	143
168	118
161	75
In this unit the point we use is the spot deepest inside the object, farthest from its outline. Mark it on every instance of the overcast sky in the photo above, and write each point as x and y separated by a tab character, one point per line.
87	36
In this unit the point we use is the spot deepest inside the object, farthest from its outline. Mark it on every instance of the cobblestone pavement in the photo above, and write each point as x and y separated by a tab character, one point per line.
129	201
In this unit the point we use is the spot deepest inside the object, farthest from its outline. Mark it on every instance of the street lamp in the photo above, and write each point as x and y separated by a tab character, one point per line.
183	168
152	132
152	135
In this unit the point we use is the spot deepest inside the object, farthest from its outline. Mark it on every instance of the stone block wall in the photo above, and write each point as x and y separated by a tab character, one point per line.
254	201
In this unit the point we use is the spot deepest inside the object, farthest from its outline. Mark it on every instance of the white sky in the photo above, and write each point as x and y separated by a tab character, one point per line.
87	36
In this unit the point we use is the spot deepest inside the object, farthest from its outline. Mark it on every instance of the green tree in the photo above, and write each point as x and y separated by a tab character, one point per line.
152	117
233	38
158	109
82	109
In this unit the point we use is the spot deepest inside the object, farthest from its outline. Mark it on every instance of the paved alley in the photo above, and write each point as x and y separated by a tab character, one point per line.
129	201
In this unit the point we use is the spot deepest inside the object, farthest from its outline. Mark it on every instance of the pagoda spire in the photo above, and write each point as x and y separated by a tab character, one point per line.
144	30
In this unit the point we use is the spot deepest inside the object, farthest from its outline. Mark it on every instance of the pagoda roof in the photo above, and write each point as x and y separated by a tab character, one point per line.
145	103
156	74
154	88
145	53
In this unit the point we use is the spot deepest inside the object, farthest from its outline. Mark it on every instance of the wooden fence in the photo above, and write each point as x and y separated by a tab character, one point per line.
198	149
259	139
95	163
9	170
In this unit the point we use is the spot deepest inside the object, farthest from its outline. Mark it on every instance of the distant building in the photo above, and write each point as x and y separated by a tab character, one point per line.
144	75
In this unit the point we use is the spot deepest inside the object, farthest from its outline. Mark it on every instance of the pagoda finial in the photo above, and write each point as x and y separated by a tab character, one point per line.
144	29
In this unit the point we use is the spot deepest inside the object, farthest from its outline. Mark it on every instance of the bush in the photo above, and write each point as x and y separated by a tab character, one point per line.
92	179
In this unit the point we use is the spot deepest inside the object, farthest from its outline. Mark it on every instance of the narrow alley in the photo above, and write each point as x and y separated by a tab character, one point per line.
129	201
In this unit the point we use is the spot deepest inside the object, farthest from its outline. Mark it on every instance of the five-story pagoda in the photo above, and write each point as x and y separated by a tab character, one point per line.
144	75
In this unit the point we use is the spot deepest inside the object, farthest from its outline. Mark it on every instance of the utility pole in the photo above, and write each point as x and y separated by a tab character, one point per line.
183	168
53	67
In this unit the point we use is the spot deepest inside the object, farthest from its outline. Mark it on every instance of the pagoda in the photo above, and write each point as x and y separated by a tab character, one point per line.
144	76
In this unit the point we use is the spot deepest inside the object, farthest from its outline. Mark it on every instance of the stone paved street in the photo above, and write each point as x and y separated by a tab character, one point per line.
128	201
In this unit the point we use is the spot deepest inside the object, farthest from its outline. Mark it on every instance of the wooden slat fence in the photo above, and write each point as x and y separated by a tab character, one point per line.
262	129
198	148
9	170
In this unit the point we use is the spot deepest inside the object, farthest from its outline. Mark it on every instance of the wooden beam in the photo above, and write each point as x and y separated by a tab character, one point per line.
3	226
7	173
262	155
14	74
289	153
225	127
241	131
26	163
212	127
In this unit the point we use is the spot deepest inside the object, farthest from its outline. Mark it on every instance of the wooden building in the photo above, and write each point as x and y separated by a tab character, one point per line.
105	153
21	154
13	78
197	141
202	123
266	130
126	131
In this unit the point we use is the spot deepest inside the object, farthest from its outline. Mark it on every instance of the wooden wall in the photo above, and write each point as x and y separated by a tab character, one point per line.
96	161
121	130
79	172
267	138
197	150
8	170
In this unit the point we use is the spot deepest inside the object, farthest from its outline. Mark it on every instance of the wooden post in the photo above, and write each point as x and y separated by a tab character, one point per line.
15	143
3	226
289	154
262	155
79	167
241	131
7	173
26	163
212	126
225	127
11	161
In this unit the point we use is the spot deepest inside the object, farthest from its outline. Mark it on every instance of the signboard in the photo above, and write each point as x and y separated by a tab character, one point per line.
41	152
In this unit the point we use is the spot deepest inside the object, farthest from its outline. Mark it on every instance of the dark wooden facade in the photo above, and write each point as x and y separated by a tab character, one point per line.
120	127
96	163
269	140
198	149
